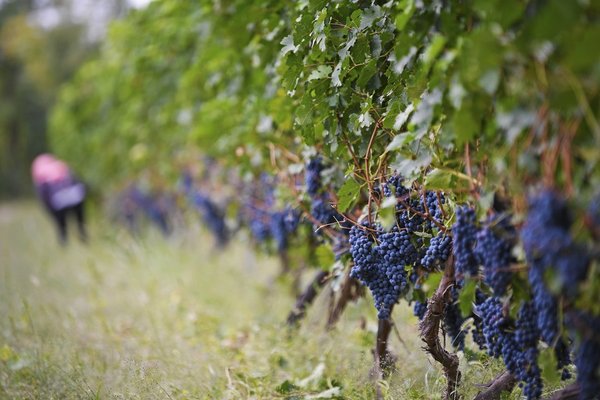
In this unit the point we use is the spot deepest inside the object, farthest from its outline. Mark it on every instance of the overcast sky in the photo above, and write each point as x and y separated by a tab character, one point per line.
139	3
96	14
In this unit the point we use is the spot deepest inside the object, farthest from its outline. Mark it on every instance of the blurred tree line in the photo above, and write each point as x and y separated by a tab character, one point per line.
42	43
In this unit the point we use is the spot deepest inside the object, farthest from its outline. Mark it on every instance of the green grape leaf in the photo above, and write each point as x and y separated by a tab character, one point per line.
387	213
403	17
433	50
467	298
325	257
366	73
347	194
288	45
466	126
439	179
400	141
321	72
431	283
547	363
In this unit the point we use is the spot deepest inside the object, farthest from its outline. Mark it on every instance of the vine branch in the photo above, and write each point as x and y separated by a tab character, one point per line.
429	329
306	298
504	382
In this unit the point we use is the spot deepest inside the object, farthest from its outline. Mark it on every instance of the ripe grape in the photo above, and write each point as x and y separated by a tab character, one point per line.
526	338
278	230
549	245
212	216
490	312
585	328
453	321
419	309
438	251
494	245
381	267
313	176
323	212
464	231
394	186
515	342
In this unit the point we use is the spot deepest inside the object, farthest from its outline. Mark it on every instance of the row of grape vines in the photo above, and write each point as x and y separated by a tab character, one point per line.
439	153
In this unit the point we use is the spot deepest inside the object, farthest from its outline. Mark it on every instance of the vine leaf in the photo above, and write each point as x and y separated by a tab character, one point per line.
347	194
411	167
404	17
399	141
325	257
321	72
434	49
439	179
387	213
547	362
288	45
367	73
466	298
431	284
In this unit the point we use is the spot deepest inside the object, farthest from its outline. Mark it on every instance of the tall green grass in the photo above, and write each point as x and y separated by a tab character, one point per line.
149	318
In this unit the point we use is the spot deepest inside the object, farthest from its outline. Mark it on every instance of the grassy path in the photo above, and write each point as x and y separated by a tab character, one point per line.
171	319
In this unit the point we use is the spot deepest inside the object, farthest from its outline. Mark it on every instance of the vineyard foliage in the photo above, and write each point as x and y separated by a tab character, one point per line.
485	103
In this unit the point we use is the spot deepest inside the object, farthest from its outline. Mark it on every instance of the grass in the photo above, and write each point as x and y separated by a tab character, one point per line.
173	319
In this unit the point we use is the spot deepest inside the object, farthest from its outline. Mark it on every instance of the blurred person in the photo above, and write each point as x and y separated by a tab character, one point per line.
61	193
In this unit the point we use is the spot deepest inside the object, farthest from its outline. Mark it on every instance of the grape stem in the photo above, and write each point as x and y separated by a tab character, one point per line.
350	290
571	392
424	215
367	166
504	382
307	297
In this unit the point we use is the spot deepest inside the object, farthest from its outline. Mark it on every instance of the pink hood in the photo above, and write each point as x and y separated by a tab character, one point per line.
46	168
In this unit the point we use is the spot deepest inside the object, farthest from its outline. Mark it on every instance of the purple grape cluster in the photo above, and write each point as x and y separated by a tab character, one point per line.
320	209
394	186
313	176
381	267
278	230
587	361
477	331
434	203
549	245
283	223
323	212
152	205
526	338
546	306
402	246
411	210
493	322
212	216
586	327
440	248
419	309
263	218
494	245
265	224
453	321
291	219
258	222
464	233
516	342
